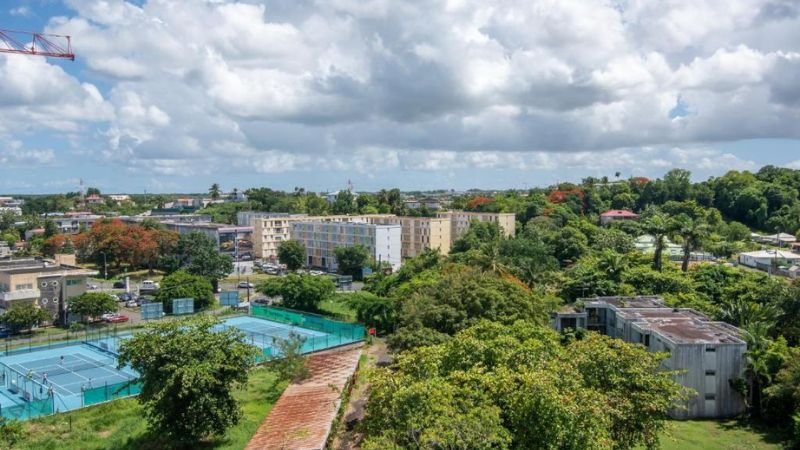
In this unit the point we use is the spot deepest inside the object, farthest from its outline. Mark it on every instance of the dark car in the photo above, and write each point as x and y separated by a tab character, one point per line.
125	297
119	285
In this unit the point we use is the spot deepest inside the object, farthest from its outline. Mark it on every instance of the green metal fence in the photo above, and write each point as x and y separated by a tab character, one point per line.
108	392
29	410
341	332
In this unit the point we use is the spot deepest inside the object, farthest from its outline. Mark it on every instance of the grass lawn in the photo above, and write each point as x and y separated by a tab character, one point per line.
121	425
337	307
718	435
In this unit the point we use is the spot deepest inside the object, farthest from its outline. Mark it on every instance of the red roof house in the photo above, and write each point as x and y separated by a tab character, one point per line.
617	214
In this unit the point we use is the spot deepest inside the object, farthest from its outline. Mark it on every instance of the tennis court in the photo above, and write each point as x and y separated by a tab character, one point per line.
63	375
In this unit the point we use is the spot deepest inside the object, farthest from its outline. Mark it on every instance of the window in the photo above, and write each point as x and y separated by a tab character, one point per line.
711	397
711	349
73	282
24	286
711	373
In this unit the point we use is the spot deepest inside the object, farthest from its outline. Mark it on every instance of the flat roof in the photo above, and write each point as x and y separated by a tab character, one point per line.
643	301
694	331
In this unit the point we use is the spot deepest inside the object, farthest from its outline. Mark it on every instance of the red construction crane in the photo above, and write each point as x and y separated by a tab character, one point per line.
29	43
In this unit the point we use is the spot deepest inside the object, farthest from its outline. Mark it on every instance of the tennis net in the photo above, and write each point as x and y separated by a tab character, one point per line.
54	369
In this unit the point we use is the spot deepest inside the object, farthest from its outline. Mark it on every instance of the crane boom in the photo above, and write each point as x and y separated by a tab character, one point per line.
30	43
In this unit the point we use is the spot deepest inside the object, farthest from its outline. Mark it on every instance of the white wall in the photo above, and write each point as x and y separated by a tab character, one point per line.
388	245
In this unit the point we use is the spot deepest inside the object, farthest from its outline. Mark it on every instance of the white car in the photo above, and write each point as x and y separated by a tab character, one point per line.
246	285
107	316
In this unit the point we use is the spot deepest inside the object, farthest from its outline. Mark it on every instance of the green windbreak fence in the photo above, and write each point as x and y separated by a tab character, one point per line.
29	410
110	392
346	332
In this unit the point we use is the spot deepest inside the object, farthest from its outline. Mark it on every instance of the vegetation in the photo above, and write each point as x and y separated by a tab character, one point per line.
92	304
292	253
25	316
302	292
198	254
292	364
182	284
351	260
520	386
189	371
122	424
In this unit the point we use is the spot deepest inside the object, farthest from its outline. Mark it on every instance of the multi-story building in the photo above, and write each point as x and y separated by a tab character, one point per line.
74	222
270	229
708	356
322	238
420	233
233	240
460	221
44	283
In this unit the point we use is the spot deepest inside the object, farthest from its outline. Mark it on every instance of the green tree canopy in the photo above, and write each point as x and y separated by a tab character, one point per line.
198	254
92	304
188	370
518	386
302	292
23	316
292	253
182	284
351	260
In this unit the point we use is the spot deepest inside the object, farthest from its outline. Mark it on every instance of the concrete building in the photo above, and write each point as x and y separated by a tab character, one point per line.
617	214
708	355
780	239
429	202
321	239
5	250
420	233
460	221
119	198
768	259
74	222
45	283
233	240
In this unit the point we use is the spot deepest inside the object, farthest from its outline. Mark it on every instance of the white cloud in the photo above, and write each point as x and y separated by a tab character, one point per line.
375	85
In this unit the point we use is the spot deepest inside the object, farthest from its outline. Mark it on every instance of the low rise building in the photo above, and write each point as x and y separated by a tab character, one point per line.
617	214
429	203
768	260
119	198
780	239
707	355
75	222
321	239
460	221
45	283
94	199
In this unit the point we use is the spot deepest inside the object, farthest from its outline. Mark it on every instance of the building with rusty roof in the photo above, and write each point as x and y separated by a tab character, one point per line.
708	355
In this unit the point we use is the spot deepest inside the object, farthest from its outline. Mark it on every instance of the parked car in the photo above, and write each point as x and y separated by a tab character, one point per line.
119	284
131	304
246	285
261	301
107	316
117	318
125	297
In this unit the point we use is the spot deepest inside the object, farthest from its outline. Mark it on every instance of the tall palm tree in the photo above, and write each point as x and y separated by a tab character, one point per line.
658	226
613	264
757	370
692	231
214	191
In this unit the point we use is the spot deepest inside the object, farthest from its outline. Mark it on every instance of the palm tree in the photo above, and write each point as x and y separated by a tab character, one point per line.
214	191
612	264
657	225
692	231
746	314
757	370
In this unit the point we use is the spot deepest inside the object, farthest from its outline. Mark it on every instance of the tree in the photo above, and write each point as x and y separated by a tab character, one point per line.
92	191
569	244
214	191
373	311
351	260
92	304
292	253
520	386
692	231
303	292
657	225
23	316
291	365
50	229
198	254
344	203
189	370
182	284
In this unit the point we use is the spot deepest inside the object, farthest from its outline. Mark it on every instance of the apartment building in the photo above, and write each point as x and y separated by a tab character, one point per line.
321	239
45	283
708	355
270	229
420	233
74	222
233	240
460	221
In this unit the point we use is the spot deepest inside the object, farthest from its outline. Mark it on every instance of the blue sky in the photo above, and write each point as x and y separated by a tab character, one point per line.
171	96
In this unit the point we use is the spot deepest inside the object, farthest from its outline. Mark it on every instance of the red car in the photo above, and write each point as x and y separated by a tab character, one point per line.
117	318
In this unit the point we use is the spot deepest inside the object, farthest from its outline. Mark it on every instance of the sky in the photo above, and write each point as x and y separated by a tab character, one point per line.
174	95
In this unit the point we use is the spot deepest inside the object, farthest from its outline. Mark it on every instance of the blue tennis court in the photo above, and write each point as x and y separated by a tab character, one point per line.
62	374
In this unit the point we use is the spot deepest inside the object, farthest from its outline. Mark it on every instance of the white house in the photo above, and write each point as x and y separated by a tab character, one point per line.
766	259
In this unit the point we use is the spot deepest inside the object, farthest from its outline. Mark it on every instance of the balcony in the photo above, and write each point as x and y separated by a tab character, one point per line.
22	294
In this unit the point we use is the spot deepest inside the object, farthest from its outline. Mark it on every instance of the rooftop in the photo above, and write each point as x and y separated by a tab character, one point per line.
778	254
619	213
643	301
694	331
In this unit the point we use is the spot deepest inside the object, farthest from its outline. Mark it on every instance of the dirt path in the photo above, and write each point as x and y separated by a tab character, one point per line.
346	438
